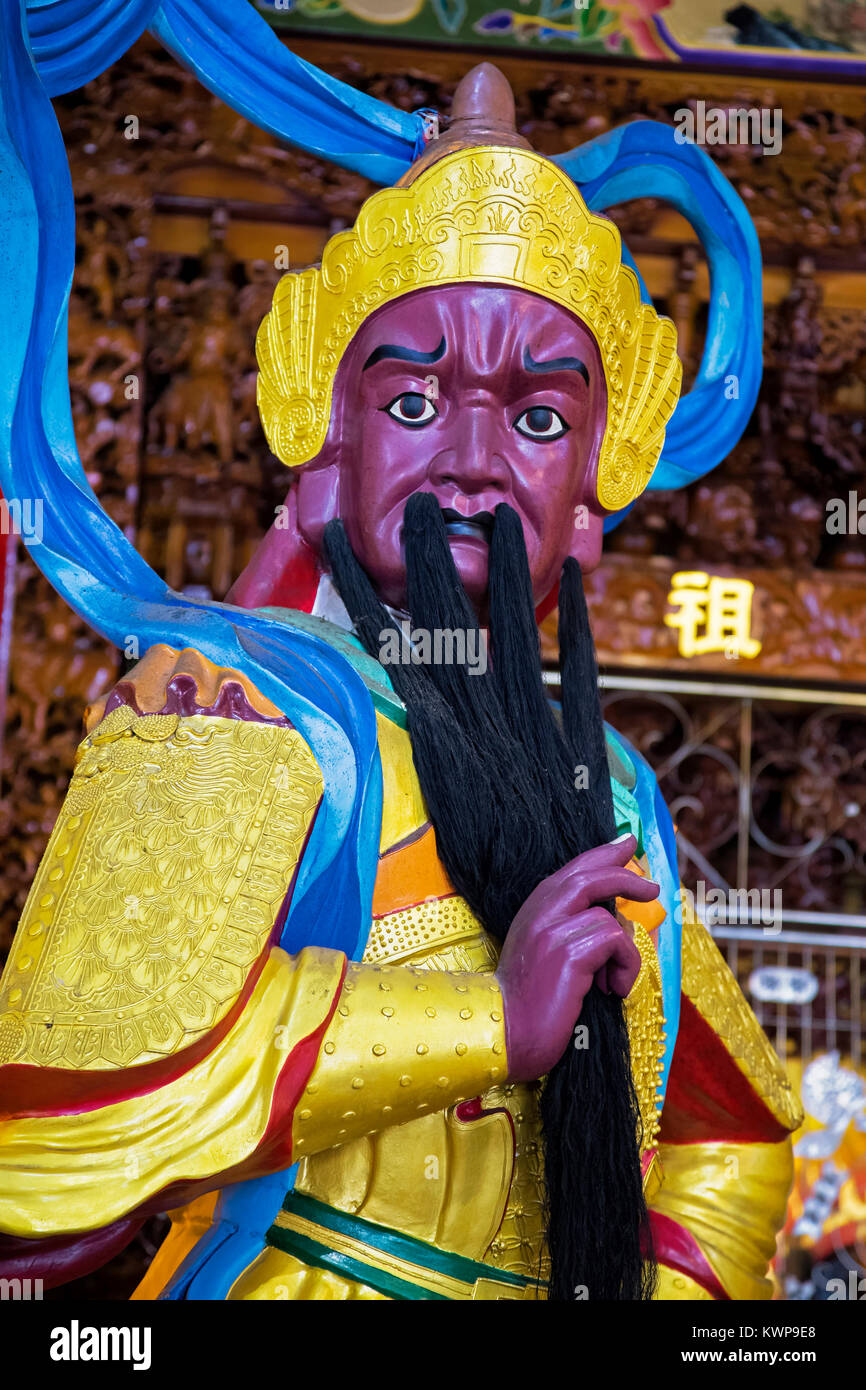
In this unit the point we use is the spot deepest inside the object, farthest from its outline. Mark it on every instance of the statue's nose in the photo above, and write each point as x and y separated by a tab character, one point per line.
474	458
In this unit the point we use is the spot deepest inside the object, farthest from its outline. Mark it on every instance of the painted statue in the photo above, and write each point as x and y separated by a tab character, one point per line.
348	949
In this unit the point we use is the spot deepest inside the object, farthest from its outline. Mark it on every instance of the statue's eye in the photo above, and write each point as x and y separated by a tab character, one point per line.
412	409
541	422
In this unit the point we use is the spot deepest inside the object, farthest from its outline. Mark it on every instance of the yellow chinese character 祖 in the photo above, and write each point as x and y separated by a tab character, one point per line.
722	607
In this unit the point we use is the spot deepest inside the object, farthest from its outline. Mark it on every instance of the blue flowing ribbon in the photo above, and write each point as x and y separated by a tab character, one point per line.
235	53
74	41
644	159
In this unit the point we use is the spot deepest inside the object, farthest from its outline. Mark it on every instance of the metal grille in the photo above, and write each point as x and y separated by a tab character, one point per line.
767	785
833	1019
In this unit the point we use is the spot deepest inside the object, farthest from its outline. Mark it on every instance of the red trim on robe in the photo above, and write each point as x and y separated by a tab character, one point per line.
58	1259
274	1150
708	1098
677	1248
30	1091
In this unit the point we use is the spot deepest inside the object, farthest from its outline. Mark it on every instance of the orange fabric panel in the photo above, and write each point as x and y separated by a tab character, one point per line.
409	874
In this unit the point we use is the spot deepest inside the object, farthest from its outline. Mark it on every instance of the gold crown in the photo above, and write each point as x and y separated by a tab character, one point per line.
489	215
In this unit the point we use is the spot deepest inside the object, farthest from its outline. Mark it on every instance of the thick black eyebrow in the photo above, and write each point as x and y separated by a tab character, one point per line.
556	364
404	354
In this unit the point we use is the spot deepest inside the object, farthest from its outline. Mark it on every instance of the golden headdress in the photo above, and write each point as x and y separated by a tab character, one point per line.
478	206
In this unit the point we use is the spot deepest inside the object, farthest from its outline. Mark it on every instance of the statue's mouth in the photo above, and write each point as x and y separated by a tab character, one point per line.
479	527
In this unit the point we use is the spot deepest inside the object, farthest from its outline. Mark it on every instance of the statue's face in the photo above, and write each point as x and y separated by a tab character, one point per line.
479	395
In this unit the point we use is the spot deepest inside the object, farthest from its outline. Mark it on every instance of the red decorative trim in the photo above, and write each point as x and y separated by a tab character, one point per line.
32	1091
274	1150
677	1248
276	1142
58	1259
708	1098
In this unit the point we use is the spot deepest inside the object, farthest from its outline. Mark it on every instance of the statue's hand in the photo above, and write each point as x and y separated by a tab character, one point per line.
559	943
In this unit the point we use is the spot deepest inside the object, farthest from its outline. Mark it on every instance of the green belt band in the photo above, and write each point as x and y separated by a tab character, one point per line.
394	1243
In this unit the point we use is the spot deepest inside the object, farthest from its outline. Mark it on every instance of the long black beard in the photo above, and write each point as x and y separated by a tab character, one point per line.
499	778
